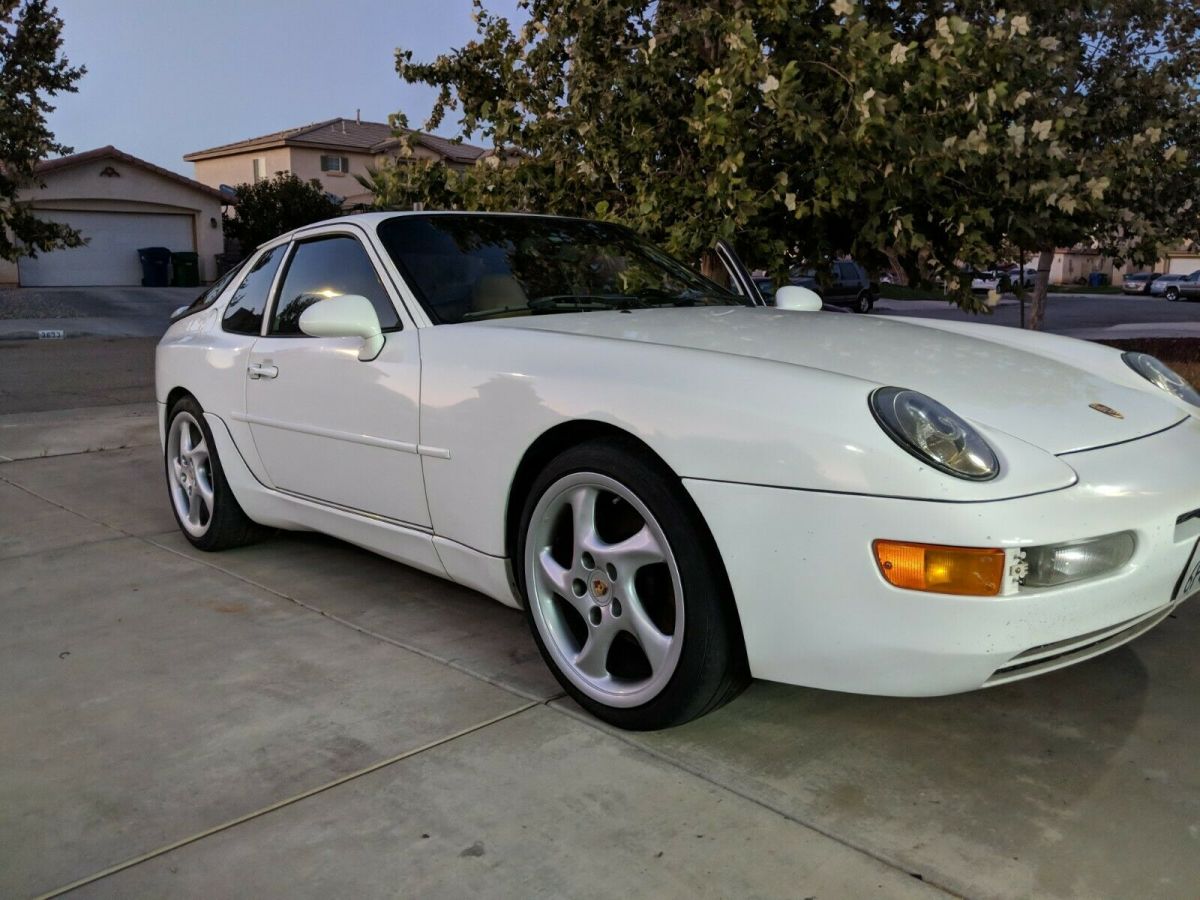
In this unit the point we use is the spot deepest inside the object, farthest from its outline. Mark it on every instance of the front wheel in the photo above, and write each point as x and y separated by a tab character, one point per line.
1172	294
863	303
624	591
207	512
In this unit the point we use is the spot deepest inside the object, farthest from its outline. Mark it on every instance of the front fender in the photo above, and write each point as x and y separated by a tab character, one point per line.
488	394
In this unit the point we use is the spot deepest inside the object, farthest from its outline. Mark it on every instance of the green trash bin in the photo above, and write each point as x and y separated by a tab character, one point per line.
185	269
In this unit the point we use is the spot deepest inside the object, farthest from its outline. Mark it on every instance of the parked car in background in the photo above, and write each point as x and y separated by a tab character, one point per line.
983	282
848	284
1160	285
1186	289
1025	280
1138	282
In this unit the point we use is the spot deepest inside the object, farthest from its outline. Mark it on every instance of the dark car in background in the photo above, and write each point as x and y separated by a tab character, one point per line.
1139	282
846	284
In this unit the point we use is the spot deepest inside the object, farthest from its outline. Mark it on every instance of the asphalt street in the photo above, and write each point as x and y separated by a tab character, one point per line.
1090	316
90	311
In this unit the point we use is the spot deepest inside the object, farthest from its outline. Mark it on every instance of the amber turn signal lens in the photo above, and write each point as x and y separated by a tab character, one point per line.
970	571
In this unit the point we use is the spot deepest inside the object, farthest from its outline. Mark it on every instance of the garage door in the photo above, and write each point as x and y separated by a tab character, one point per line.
110	257
1184	265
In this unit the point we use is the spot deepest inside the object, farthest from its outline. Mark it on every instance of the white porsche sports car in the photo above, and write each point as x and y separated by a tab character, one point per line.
681	487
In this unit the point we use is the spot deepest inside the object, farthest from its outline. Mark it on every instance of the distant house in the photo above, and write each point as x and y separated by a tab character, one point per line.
120	204
1074	265
333	152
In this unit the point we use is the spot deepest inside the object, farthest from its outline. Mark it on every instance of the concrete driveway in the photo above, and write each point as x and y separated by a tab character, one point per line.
301	718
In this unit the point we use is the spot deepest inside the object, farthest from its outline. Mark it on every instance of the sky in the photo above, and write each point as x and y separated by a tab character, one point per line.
167	77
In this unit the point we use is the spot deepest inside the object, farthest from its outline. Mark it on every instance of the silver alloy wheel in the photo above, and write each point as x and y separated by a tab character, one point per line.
189	475
597	592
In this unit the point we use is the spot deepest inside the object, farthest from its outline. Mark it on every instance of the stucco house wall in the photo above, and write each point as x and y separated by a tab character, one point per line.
107	180
299	150
239	168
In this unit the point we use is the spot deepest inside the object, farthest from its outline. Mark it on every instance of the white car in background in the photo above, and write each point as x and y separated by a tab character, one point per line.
1026	280
985	282
680	487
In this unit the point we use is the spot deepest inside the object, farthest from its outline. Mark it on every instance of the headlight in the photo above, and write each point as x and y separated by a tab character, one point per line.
1161	375
933	434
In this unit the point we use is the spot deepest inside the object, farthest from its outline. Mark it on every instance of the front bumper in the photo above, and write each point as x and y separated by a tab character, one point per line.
815	611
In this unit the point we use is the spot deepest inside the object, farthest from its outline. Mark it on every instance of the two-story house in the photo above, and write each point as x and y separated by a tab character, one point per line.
333	152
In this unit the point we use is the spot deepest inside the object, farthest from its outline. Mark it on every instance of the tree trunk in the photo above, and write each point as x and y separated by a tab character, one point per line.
898	270
1037	310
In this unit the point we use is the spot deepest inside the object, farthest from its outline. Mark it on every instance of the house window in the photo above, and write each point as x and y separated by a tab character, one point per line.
260	168
338	165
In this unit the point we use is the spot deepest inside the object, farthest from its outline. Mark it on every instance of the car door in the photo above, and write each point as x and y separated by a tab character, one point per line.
1190	286
845	281
326	425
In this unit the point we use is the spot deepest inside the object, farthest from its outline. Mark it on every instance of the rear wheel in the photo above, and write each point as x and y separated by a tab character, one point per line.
207	512
624	592
863	303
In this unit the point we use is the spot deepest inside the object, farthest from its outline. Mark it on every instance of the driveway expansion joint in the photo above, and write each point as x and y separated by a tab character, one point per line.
631	740
304	795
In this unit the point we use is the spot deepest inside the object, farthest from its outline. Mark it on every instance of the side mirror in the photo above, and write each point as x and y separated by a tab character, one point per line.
799	299
350	315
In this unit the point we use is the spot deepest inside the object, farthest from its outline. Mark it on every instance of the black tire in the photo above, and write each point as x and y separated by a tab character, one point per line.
227	525
711	668
863	303
1172	294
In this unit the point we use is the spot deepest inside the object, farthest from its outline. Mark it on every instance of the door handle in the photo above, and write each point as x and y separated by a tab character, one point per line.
257	371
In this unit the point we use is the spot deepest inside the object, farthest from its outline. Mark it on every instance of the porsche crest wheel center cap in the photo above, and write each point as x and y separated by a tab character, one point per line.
601	591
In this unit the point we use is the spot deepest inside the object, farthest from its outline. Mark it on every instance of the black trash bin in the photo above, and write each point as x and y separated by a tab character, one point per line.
185	269
156	264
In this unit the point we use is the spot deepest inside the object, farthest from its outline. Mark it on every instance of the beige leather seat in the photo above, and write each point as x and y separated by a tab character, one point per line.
493	292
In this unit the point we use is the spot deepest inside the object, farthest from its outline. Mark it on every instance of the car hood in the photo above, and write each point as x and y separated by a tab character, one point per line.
1030	392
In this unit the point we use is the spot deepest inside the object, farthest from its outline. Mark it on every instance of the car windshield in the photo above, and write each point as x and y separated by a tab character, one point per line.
466	267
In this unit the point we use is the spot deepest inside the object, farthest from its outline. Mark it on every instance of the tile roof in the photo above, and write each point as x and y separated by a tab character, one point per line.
343	134
47	166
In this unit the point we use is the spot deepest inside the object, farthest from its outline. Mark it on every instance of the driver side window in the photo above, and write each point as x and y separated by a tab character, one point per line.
324	268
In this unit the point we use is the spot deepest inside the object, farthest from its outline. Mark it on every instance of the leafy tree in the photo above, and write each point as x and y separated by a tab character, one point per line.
270	207
32	68
903	132
1106	152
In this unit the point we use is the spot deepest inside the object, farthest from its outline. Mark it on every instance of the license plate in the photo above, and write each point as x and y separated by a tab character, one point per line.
1189	581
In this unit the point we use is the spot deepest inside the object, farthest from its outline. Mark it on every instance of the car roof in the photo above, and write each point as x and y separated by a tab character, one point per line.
372	219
